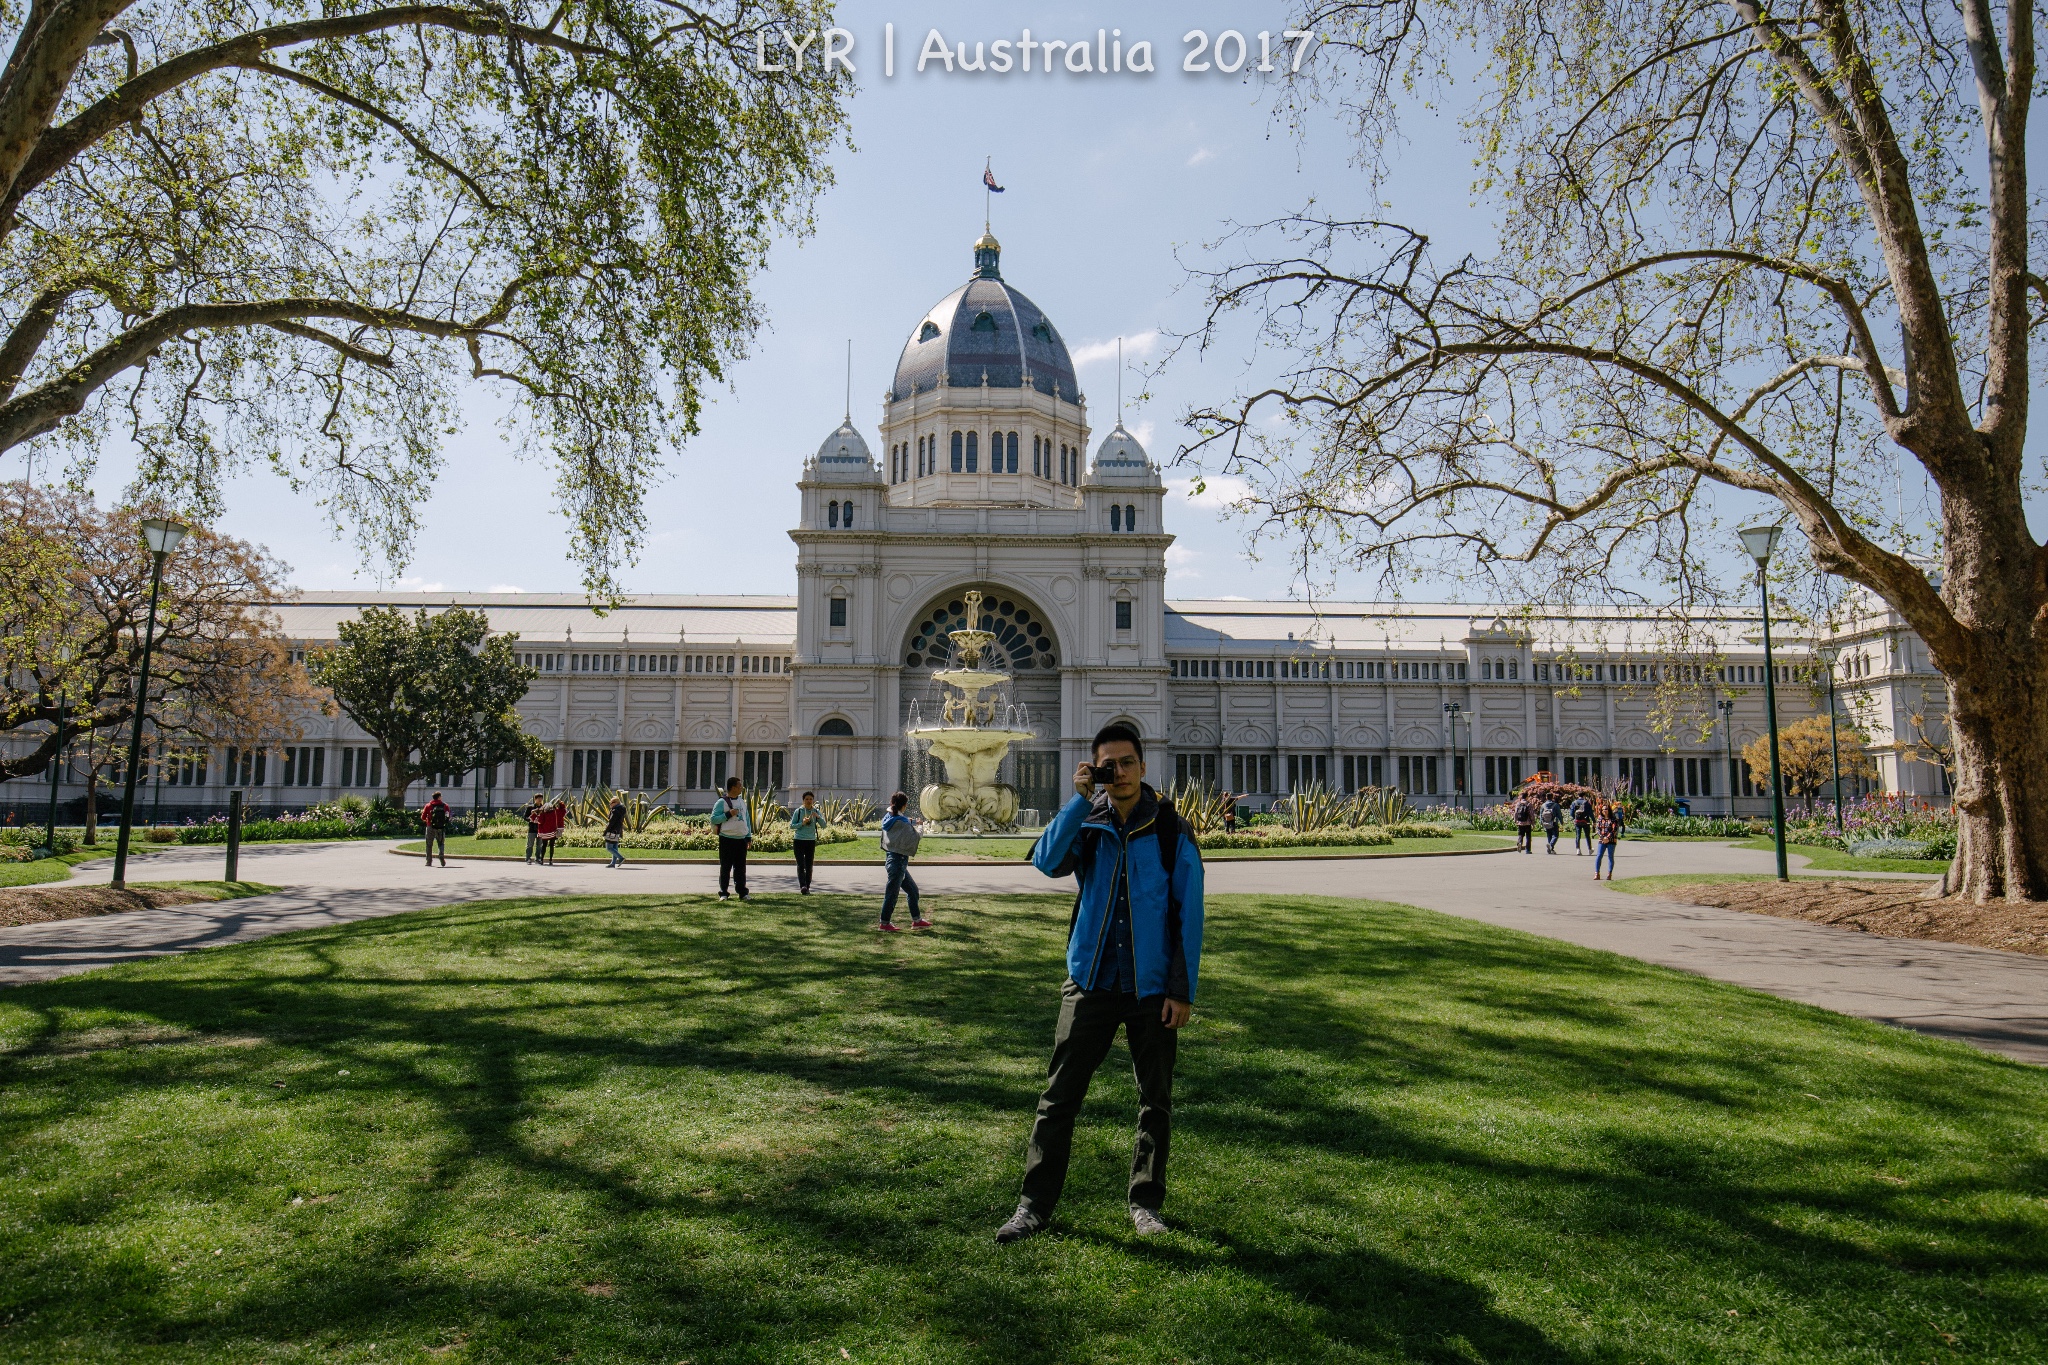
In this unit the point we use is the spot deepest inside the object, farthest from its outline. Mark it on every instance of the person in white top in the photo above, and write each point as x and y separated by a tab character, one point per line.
729	818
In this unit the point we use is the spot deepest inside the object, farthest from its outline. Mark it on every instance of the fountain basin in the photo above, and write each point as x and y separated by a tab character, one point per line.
970	795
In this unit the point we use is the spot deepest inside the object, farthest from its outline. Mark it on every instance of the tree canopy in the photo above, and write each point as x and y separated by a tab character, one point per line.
1806	758
267	233
1743	254
437	691
74	595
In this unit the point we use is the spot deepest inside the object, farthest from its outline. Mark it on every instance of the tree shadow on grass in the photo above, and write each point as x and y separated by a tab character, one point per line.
481	1017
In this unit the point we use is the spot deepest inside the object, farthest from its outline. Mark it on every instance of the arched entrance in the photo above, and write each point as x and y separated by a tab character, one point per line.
1025	648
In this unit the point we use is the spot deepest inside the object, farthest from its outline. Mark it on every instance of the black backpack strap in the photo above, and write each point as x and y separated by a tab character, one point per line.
1168	829
1084	843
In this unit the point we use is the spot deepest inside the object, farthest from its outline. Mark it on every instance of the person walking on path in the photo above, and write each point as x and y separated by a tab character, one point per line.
1133	949
1608	826
1582	825
899	843
532	812
1553	820
615	830
804	823
729	818
434	819
1525	824
553	817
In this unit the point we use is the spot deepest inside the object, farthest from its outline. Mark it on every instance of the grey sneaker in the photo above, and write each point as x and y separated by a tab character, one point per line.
1147	1221
1023	1223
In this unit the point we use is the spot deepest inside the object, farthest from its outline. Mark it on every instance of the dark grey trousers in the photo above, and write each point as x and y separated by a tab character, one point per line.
1087	1026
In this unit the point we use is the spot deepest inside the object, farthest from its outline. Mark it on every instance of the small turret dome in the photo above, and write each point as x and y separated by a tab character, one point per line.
1121	453
845	458
985	332
846	445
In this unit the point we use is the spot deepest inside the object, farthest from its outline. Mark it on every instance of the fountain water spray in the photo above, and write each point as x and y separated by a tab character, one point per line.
970	742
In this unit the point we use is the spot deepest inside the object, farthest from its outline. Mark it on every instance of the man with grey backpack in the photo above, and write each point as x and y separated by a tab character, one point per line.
899	842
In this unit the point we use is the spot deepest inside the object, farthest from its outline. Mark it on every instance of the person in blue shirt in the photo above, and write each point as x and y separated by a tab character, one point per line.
1132	954
899	843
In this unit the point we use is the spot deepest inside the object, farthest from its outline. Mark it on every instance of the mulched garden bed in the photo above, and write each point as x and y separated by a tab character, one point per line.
26	905
1892	909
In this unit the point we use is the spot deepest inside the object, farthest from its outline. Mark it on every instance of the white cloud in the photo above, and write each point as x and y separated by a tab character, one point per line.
1144	432
1201	154
506	587
1216	491
1180	562
1136	347
417	585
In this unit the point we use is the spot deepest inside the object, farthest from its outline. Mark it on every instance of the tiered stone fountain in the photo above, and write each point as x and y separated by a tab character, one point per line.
969	742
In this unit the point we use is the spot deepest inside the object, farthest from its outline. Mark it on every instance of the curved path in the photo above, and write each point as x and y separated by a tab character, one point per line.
1995	1000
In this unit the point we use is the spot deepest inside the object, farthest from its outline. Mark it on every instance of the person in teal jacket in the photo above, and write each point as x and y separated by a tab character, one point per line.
1133	954
804	823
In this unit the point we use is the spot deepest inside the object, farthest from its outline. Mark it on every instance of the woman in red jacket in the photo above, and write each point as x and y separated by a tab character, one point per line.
552	818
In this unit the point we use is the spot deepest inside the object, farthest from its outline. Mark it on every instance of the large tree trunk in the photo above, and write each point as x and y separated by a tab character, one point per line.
92	807
1994	583
396	778
2000	726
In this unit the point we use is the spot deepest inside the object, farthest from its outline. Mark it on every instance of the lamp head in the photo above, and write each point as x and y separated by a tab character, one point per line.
163	535
1760	541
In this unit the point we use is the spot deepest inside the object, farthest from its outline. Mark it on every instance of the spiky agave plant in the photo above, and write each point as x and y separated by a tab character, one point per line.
1316	807
1201	808
763	810
1383	806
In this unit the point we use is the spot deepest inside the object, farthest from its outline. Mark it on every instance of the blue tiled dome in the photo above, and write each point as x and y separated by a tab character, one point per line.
985	328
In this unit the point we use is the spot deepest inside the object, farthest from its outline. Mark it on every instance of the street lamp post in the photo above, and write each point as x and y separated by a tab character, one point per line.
63	659
1453	710
162	536
1727	709
1759	541
1829	654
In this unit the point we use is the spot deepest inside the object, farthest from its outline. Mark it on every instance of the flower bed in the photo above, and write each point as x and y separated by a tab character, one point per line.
1878	817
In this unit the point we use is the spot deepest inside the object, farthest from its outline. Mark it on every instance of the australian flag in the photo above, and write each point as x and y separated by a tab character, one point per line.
988	178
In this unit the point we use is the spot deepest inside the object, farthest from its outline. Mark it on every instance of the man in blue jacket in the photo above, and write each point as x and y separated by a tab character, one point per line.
1132	953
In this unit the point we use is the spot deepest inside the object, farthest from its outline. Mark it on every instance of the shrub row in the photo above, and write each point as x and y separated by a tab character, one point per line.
1279	836
680	838
18	840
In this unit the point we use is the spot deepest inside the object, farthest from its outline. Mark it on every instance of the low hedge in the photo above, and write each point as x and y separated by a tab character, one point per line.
376	825
1279	836
1936	849
17	841
675	838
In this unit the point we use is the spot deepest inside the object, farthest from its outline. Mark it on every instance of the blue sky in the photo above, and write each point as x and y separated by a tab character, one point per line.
1107	178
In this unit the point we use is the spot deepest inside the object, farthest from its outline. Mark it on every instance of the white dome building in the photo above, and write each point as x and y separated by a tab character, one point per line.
984	482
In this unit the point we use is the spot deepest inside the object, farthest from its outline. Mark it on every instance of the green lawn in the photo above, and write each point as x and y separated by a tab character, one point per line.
56	869
939	846
1825	859
643	1129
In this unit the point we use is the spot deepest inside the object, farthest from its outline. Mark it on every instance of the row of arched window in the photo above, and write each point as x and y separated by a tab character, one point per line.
1124	518
963	456
838	514
1499	670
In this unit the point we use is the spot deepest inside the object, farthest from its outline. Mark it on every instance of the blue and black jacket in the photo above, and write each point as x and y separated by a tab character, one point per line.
1166	914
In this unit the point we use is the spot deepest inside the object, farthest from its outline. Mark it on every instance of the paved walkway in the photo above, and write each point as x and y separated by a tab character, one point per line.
1995	1000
